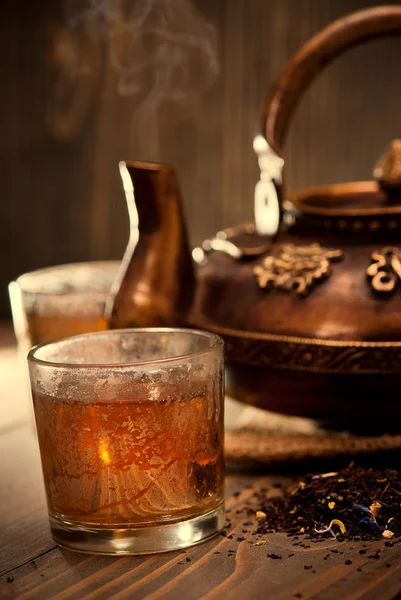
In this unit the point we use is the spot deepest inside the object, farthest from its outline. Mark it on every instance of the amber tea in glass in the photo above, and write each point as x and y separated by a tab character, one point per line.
60	301
130	428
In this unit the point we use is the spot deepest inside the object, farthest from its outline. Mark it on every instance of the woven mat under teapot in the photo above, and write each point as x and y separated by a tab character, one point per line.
257	438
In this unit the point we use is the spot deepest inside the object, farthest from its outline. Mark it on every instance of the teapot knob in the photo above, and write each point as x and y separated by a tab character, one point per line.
387	170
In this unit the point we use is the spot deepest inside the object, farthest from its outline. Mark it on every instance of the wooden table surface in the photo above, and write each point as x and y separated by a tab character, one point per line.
235	568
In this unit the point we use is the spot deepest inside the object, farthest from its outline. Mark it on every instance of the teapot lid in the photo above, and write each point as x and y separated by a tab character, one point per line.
362	205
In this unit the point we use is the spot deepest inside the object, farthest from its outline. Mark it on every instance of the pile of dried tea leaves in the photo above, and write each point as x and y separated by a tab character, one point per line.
355	503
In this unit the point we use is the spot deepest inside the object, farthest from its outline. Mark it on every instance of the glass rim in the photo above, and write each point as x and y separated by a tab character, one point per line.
216	342
21	279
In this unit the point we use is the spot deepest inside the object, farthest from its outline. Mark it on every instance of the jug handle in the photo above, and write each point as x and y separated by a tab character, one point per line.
296	77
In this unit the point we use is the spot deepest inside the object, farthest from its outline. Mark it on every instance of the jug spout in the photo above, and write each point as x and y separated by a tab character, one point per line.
155	286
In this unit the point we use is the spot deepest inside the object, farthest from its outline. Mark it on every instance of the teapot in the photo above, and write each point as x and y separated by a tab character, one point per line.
307	297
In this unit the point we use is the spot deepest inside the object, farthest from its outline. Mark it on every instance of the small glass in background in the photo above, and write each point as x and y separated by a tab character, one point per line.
61	301
130	427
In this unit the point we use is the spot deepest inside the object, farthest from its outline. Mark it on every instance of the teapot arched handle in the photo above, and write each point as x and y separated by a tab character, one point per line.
312	57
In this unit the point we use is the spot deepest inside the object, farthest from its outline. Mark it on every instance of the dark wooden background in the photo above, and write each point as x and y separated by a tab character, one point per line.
61	198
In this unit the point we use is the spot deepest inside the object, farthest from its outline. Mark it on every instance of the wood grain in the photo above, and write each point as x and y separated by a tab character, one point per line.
62	199
210	571
24	531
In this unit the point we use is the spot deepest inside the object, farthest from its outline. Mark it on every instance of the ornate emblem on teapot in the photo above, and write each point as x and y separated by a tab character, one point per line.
296	268
385	269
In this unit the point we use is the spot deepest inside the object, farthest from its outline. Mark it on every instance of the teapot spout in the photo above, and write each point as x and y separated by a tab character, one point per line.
155	286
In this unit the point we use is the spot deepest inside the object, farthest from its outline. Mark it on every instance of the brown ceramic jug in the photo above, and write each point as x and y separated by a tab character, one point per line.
308	297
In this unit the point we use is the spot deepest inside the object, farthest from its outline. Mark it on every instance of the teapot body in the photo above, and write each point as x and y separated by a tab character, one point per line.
312	325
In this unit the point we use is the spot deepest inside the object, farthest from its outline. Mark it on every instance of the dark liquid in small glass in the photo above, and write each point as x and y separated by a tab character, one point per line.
46	328
129	462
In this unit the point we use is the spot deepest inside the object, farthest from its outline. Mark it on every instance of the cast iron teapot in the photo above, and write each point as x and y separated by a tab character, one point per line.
308	297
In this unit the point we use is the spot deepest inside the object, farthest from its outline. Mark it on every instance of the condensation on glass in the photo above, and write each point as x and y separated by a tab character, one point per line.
130	428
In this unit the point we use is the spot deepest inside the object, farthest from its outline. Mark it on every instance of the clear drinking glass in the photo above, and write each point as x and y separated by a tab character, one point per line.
130	428
60	301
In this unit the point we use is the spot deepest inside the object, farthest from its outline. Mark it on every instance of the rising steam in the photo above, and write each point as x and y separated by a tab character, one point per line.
162	50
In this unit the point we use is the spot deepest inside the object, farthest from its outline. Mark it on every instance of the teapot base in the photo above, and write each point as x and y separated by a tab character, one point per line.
359	403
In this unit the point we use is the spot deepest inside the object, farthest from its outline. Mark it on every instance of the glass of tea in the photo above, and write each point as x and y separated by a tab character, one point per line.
60	301
130	428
